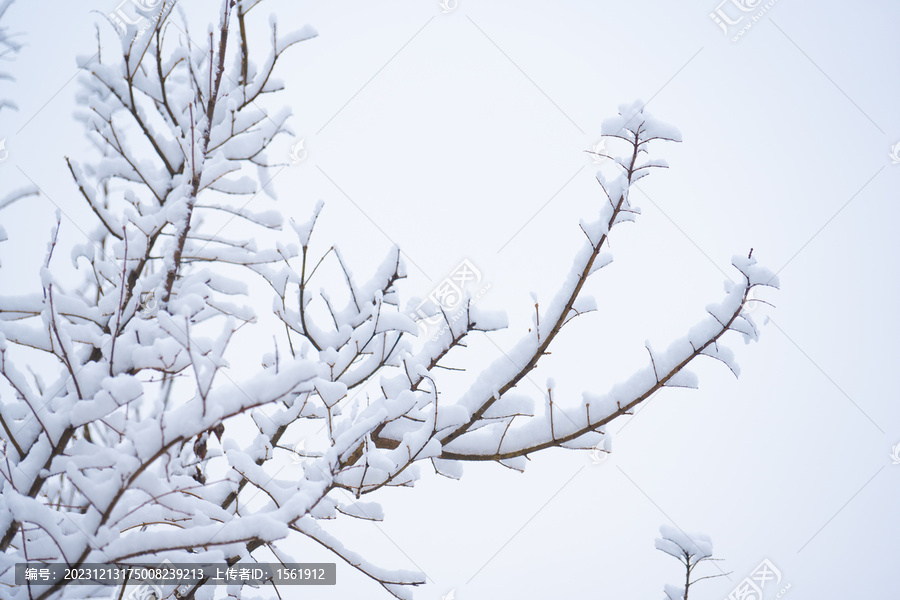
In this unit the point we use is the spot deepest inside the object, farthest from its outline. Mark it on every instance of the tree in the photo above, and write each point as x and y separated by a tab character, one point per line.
135	450
691	550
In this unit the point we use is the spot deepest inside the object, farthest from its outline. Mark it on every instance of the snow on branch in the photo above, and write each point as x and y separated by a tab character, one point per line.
153	424
691	549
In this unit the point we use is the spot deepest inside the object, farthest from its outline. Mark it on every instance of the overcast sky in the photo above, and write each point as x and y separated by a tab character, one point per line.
461	135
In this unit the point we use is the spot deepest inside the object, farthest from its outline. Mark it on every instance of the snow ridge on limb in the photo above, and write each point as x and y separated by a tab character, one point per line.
394	581
637	128
666	369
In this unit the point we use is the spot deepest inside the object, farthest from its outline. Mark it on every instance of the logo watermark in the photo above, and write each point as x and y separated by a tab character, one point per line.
448	6
147	304
4	153
298	153
599	152
299	455
733	16
895	153
754	302
599	454
448	300
449	595
752	586
895	455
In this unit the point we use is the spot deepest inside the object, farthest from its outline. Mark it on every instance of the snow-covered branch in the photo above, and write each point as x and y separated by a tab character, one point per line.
691	549
131	428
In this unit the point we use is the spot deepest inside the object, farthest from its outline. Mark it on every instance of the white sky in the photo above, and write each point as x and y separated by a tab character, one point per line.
455	135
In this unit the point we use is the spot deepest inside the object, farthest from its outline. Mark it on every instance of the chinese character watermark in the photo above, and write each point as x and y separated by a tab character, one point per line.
752	586
733	16
448	300
136	17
